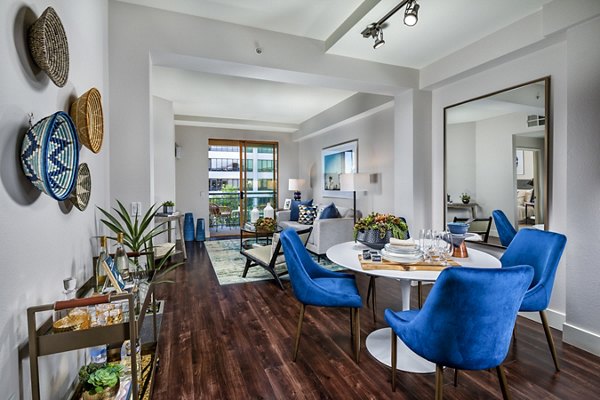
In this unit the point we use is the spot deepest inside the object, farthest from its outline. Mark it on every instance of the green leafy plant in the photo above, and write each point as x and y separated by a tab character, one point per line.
97	377
465	197
265	224
382	223
168	203
137	233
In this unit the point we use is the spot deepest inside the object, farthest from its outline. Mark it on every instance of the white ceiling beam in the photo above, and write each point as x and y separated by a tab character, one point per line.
350	22
233	123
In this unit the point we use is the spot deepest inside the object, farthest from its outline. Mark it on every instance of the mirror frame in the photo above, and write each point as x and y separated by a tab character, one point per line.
547	145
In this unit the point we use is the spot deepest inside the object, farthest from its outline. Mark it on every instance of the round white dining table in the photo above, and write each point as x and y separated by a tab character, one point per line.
378	341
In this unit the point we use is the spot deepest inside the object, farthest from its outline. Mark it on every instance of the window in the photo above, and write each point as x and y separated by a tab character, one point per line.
265	165
265	184
249	165
224	164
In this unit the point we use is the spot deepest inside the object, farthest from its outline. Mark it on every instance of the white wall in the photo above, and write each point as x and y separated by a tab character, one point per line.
44	241
583	186
192	167
163	132
375	136
460	161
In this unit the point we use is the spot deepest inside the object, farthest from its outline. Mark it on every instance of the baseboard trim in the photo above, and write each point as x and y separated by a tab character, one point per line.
581	338
555	319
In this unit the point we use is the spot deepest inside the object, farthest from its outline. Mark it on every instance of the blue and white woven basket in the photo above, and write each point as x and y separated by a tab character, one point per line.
50	155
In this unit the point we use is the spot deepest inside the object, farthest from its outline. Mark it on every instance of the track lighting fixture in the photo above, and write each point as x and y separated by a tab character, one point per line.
375	30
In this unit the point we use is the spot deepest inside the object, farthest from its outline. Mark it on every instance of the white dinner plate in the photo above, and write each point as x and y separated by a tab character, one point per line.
400	258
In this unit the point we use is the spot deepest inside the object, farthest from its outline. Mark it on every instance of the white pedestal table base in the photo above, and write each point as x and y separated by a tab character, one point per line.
379	346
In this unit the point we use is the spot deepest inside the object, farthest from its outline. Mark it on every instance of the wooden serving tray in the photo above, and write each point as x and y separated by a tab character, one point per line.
368	265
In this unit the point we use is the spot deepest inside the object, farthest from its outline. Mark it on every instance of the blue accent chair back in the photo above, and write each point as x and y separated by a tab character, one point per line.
505	229
542	250
316	286
466	321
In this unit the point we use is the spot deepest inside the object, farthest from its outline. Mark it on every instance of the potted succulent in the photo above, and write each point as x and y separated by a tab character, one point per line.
375	230
265	224
168	207
100	381
466	198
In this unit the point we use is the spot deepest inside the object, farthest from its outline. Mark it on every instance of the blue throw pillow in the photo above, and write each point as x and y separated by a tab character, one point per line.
295	211
330	212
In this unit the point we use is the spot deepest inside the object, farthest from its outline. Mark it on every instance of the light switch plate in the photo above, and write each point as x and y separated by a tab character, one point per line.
136	209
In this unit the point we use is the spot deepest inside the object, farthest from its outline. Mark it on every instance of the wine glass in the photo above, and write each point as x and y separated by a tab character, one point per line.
445	247
425	243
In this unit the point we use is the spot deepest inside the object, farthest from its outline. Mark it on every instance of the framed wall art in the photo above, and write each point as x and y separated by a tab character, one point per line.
336	160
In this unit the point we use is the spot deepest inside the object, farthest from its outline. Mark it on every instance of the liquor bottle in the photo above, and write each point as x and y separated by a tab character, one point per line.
121	260
100	272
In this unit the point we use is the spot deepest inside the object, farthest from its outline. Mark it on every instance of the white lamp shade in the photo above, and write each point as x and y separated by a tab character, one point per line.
295	184
354	182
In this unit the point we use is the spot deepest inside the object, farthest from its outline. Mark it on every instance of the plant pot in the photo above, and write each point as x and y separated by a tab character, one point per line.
372	239
106	394
466	201
168	209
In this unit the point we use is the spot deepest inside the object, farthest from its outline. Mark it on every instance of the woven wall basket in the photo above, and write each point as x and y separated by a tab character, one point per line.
50	154
86	112
80	196
49	48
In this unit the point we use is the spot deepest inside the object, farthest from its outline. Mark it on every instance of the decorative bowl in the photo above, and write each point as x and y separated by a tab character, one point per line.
80	196
371	238
50	155
49	47
87	116
458	228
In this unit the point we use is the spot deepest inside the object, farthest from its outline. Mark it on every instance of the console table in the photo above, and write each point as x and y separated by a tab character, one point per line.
461	206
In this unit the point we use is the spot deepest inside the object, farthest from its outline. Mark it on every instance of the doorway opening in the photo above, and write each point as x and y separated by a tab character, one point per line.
242	180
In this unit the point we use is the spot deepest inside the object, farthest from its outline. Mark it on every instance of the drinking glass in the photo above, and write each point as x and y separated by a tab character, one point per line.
444	246
425	243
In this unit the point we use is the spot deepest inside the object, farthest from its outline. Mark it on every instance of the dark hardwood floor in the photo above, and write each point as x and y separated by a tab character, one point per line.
235	342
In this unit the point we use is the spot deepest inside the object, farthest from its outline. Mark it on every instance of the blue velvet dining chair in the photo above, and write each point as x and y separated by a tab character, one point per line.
314	285
542	250
466	321
506	231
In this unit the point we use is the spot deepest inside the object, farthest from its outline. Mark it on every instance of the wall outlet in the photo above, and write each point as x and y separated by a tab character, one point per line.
136	209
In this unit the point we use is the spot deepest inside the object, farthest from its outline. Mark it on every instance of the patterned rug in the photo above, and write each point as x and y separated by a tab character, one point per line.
229	264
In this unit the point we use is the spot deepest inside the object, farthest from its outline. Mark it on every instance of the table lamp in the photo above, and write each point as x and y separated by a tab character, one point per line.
296	185
354	183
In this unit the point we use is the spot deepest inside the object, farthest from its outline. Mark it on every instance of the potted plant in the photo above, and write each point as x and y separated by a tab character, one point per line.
137	233
466	198
375	230
168	207
100	381
265	224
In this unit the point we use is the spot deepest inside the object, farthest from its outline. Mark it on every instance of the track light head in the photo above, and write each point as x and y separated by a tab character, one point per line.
379	40
411	14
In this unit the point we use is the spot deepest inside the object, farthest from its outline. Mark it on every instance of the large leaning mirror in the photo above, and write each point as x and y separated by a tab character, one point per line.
496	158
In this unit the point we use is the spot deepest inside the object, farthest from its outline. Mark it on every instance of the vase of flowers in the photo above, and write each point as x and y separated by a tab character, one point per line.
100	381
265	224
375	230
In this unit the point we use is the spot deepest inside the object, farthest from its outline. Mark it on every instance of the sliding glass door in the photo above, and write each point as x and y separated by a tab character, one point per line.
242	177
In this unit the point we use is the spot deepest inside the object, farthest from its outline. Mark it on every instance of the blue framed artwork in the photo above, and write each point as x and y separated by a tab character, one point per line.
113	274
336	160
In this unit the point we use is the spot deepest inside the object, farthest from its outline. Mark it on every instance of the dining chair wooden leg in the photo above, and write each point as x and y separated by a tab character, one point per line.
302	308
455	377
549	339
394	355
369	288
357	334
374	301
503	383
420	293
352	327
439	382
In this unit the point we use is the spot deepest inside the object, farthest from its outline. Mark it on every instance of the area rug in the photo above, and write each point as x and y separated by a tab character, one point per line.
229	264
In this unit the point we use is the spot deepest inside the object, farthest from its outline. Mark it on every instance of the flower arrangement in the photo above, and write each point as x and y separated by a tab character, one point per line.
97	378
383	223
265	224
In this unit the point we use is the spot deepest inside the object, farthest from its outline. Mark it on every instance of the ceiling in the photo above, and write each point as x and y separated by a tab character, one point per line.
444	27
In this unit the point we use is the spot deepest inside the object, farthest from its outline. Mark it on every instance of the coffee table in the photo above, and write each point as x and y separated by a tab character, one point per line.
250	230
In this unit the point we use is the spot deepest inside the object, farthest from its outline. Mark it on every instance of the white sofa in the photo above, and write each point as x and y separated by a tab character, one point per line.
326	232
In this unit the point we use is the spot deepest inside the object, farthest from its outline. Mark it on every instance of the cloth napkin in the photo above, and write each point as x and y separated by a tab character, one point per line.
403	242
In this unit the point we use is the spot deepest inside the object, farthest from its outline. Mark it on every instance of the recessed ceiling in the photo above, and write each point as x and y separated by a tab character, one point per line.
227	97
